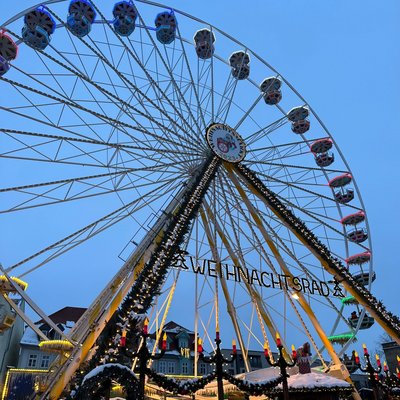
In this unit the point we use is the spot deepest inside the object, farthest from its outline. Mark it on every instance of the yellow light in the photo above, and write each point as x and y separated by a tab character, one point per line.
356	354
364	346
384	364
265	345
18	281
164	336
377	357
293	348
56	345
200	341
22	370
295	296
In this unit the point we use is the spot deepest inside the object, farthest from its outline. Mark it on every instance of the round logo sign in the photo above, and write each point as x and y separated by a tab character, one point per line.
226	143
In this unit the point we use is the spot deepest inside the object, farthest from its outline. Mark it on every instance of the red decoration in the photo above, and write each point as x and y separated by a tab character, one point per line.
378	361
398	360
122	341
200	346
233	346
266	353
164	342
398	373
278	340
365	349
357	358
294	353
385	367
146	326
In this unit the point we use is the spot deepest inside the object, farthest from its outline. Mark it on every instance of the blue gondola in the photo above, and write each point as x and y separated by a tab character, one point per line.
125	18
40	17
80	18
39	25
38	38
165	27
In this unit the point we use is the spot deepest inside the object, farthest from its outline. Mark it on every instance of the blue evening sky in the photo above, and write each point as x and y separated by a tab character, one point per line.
343	57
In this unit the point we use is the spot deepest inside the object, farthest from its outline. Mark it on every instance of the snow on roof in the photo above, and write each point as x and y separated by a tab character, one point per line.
296	380
101	368
315	380
30	337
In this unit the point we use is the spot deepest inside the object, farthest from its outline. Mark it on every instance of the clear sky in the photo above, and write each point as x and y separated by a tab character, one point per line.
343	57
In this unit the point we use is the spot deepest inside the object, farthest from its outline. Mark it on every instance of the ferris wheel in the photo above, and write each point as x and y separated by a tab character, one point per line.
149	152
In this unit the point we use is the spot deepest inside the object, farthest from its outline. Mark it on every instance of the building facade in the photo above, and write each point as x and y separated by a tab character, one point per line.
11	331
391	350
179	356
31	356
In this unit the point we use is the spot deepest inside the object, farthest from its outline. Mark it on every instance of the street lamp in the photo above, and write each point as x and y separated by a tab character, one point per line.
282	364
372	372
143	354
219	360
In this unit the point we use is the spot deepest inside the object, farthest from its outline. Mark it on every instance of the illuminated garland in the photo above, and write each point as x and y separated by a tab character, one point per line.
56	345
391	320
253	388
180	386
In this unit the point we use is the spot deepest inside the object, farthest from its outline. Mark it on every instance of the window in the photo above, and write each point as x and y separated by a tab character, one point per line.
45	362
162	367
255	361
171	367
32	360
183	343
185	368
202	368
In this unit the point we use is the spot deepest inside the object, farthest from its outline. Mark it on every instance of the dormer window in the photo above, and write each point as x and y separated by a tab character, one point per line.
183	343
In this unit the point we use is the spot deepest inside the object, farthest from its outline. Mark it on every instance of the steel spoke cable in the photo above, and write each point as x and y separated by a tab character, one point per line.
306	271
90	227
173	82
126	81
76	196
197	105
124	124
104	91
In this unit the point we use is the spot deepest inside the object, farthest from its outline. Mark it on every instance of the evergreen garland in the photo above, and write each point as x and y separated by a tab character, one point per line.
98	385
180	386
253	388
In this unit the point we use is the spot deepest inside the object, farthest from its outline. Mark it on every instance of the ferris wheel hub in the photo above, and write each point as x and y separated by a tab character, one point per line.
226	143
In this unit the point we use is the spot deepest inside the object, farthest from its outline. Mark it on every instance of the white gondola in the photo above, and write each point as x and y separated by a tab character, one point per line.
204	41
